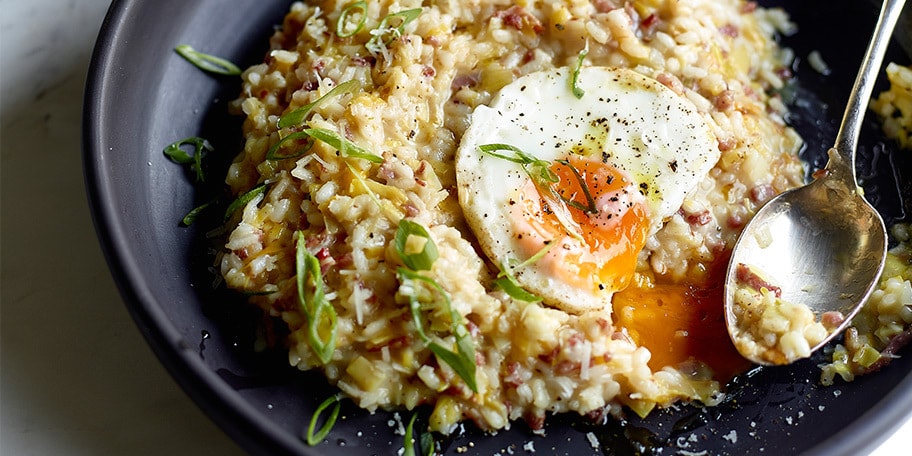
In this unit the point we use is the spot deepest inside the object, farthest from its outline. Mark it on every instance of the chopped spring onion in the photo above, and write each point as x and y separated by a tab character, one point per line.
194	213
422	260
207	62
344	146
574	77
462	361
298	116
507	282
408	447
346	27
315	437
537	169
589	207
543	177
201	146
242	200
425	441
391	27
273	152
512	288
313	301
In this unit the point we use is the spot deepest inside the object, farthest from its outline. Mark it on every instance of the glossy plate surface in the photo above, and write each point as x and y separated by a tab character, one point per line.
141	96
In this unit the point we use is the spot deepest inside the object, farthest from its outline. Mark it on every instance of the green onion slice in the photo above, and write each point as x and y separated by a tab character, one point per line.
462	361
426	442
507	282
201	146
422	260
207	62
346	28
273	152
543	177
314	438
589	207
242	200
408	441
298	116
391	27
537	169
317	308
512	288
191	216
574	77
344	146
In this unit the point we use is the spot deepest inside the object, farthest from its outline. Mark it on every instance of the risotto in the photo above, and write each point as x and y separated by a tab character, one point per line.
357	223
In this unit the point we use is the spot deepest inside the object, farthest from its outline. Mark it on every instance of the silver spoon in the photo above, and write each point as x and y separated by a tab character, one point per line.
821	245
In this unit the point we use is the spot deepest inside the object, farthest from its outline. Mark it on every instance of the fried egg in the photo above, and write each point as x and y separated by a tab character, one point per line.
565	190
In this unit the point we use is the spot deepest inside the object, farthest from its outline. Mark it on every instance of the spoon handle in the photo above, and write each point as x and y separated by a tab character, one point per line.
849	129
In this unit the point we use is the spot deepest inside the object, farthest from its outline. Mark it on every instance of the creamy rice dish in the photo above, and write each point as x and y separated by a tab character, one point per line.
509	209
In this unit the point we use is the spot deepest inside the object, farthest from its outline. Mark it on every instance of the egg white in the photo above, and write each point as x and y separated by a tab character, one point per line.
623	118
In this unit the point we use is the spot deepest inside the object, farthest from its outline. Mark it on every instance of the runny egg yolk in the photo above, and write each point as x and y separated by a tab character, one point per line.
611	214
679	322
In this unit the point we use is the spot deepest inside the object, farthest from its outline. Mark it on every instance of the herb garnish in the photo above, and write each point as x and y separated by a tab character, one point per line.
313	438
539	171
420	261
316	307
242	200
391	27
507	282
574	77
343	145
299	115
195	212
178	155
273	152
462	361
343	22
425	442
207	62
589	207
408	447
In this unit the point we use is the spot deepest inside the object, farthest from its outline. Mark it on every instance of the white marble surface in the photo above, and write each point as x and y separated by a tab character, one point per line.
76	376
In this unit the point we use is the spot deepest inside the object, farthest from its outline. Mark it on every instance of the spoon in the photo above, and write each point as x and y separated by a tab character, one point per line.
808	260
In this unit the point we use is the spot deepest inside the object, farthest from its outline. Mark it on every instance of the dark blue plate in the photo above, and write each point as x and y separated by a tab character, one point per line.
142	96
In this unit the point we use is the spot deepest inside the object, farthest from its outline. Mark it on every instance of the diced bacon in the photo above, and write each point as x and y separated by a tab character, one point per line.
751	279
762	193
729	30
520	19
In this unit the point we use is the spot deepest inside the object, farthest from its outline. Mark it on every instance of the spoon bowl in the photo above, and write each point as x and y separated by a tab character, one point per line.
808	260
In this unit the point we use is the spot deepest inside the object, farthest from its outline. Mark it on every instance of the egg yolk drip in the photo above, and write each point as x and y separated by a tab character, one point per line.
611	217
678	322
